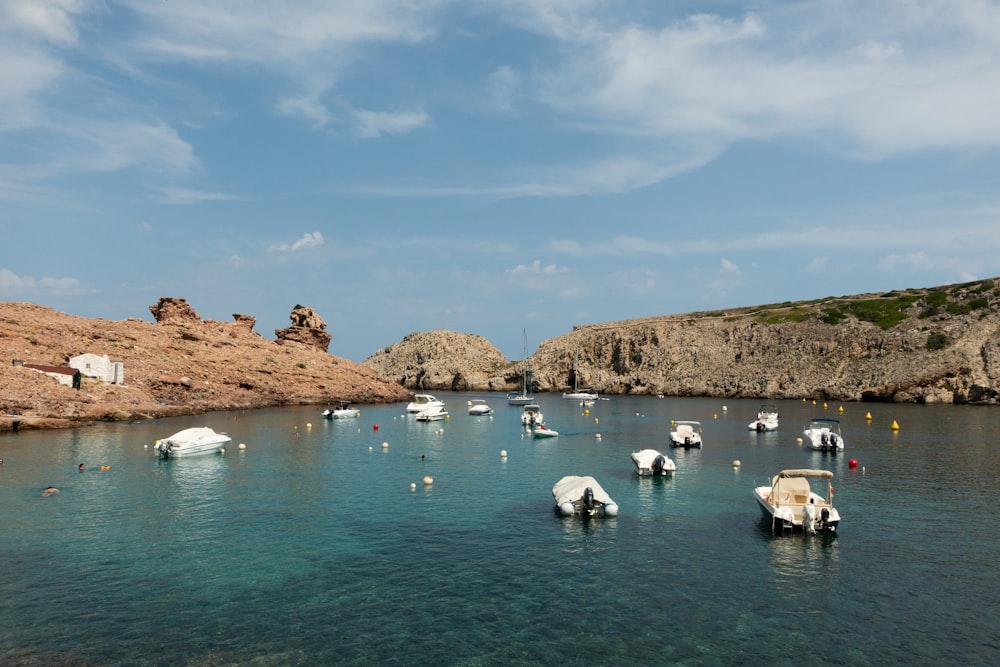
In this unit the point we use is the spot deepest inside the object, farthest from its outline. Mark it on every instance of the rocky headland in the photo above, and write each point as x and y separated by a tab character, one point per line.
178	365
935	345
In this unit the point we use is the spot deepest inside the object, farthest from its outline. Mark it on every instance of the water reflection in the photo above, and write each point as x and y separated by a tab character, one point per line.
651	493
800	556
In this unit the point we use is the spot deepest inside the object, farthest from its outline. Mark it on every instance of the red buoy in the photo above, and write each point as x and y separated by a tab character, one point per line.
852	463
375	427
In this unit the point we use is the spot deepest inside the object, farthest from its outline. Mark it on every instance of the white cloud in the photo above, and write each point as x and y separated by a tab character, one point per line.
176	195
373	124
729	267
15	285
536	275
308	240
51	20
817	264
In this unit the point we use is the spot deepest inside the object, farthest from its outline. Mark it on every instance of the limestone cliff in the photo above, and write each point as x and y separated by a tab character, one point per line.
921	345
441	360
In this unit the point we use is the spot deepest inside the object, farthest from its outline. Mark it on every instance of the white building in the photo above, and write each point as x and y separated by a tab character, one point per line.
98	367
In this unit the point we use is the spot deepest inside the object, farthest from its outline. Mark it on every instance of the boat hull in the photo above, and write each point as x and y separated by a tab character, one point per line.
196	441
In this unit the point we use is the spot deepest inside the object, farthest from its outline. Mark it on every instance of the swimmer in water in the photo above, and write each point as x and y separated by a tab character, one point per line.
49	491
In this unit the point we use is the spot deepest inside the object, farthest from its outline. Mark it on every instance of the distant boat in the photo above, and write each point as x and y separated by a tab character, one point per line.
823	434
652	462
579	394
421	402
532	415
478	406
523	397
582	496
543	431
432	413
342	411
767	419
191	442
686	434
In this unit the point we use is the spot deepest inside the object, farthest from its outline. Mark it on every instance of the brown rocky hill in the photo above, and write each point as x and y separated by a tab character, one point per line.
179	365
919	345
441	360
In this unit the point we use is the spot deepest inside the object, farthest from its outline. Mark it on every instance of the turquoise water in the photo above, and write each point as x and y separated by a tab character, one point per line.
309	547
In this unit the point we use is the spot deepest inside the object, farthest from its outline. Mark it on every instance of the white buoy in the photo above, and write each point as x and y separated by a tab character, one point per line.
597	435
309	424
736	463
242	445
413	486
370	448
503	453
428	480
725	408
798	440
385	445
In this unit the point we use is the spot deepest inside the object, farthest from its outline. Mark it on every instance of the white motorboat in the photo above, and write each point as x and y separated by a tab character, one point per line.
432	413
543	431
823	434
342	411
582	496
790	503
478	407
686	434
421	402
767	419
190	442
652	462
531	415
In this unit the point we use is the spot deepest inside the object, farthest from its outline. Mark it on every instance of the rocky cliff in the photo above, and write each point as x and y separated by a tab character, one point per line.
921	345
179	365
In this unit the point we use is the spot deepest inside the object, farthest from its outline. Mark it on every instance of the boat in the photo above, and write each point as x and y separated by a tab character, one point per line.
523	397
823	434
191	442
767	419
582	496
531	415
478	406
686	434
790	503
543	431
432	413
342	411
652	462
586	395
422	401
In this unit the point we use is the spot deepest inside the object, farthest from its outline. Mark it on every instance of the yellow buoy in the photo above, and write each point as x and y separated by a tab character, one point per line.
824	405
895	426
868	416
840	409
597	420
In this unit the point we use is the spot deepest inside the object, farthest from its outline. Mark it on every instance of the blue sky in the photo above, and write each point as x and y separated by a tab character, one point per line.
495	166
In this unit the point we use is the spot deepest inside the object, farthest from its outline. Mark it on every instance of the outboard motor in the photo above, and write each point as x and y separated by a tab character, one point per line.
687	441
760	426
825	439
833	439
824	517
658	463
588	501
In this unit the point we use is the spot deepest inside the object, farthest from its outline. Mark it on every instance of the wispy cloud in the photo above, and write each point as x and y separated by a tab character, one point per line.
373	124
308	240
16	286
177	195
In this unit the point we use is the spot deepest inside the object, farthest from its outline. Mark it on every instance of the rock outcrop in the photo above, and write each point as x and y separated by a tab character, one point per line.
180	365
307	328
938	345
441	360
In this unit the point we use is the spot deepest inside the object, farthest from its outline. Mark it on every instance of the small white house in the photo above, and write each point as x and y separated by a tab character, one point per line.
99	367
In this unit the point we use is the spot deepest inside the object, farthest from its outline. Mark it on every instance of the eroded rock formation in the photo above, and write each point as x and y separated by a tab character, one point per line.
307	328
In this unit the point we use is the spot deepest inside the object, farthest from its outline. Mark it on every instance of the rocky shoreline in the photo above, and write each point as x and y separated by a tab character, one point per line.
180	365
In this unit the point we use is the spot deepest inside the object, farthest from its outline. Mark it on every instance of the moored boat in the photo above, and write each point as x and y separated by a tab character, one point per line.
421	402
651	462
686	434
342	411
767	419
582	496
191	442
478	406
823	434
790	503
543	431
531	415
432	413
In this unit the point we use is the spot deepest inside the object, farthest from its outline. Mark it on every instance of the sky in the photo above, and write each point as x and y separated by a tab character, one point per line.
503	168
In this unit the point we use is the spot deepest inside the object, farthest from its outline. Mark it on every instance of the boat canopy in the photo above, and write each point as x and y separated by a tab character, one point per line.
573	486
805	472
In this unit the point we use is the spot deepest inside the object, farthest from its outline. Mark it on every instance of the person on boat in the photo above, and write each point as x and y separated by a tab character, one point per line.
49	491
809	516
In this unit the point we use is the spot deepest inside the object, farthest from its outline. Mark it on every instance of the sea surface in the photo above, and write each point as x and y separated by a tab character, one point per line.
319	543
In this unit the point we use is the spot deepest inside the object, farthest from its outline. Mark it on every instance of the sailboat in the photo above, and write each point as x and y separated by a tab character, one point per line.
523	397
579	394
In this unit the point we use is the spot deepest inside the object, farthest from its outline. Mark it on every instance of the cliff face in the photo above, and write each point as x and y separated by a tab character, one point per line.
180	365
442	360
927	345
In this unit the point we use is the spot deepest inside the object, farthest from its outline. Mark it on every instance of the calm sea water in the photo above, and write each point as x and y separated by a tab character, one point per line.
309	547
